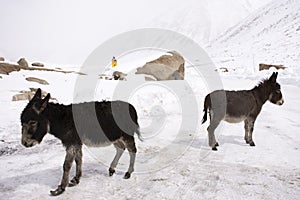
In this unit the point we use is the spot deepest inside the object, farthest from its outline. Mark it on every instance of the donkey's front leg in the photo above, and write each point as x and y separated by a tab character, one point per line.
70	156
78	161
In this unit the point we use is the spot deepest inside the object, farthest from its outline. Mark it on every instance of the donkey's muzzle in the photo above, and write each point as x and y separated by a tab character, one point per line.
280	102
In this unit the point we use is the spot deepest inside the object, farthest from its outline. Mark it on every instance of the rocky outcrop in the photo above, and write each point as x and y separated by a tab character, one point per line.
263	66
166	67
2	59
37	64
37	80
6	68
22	62
27	95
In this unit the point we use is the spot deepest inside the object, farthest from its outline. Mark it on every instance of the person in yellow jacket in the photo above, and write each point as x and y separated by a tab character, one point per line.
114	62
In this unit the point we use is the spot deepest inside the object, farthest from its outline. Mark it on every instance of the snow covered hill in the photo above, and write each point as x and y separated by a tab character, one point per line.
270	35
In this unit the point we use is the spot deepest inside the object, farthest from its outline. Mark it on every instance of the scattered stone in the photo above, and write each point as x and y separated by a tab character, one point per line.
22	62
37	64
119	75
222	69
166	67
37	80
268	66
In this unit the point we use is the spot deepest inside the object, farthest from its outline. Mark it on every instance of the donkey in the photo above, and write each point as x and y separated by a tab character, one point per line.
91	123
238	106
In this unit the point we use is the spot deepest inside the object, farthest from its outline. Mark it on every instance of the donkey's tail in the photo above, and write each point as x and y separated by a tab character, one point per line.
207	105
138	132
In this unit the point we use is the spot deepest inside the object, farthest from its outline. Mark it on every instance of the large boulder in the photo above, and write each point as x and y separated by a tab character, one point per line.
166	67
22	62
2	59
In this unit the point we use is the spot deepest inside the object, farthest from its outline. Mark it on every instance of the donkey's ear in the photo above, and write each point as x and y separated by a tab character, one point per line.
45	102
38	94
273	77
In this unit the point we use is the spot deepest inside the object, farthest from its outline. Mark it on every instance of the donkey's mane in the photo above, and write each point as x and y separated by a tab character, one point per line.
262	84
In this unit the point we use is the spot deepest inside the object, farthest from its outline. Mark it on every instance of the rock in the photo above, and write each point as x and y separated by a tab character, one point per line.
37	80
27	95
166	67
150	78
37	64
2	59
178	74
222	69
6	68
268	66
22	62
119	75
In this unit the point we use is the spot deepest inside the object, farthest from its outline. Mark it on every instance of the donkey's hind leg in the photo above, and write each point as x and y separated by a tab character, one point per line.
78	161
211	134
130	145
246	126
120	147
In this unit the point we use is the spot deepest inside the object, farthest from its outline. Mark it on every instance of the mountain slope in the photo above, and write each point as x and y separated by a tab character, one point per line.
270	35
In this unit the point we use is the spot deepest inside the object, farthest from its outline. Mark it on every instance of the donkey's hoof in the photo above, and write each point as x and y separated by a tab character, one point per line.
247	142
217	144
252	144
73	182
214	148
127	175
58	191
111	171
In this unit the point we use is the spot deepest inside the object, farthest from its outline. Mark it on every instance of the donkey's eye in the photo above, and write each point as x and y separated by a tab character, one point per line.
33	123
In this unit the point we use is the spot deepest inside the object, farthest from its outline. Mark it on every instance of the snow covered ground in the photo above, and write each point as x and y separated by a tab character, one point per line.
171	163
174	161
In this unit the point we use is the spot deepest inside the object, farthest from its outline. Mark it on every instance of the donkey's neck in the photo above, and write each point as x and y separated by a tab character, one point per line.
262	93
59	116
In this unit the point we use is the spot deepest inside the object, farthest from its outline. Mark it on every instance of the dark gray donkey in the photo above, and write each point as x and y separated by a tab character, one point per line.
238	106
92	123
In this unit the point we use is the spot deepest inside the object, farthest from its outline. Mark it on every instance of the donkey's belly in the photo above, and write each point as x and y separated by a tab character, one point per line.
232	119
91	143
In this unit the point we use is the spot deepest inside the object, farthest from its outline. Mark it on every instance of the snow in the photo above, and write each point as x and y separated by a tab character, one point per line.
174	161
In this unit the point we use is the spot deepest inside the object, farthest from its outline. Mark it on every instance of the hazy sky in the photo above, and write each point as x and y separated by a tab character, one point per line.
66	31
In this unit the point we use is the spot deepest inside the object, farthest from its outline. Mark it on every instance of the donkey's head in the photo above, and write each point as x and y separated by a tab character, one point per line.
275	92
34	121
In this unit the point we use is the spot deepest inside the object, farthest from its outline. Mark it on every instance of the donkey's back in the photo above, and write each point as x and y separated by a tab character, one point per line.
102	123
